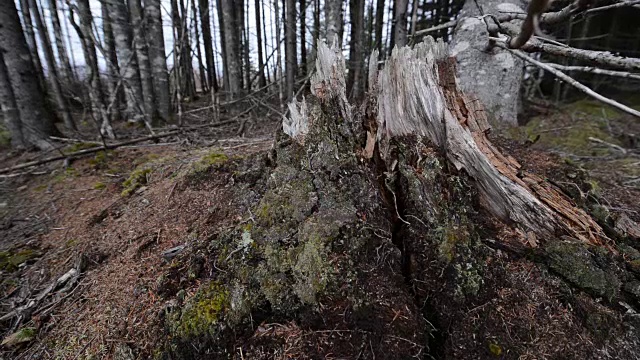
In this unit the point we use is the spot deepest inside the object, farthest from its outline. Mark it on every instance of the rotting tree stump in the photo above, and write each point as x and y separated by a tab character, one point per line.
397	230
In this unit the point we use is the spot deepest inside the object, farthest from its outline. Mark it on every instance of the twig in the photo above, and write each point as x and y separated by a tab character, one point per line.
595	70
571	81
446	25
613	6
614	146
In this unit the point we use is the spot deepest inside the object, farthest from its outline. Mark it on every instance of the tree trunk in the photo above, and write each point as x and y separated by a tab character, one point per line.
238	20
355	79
303	38
380	9
85	32
333	19
54	77
128	60
223	46
144	65
290	47
186	61
316	35
246	47
10	108
278	70
116	93
261	79
400	22
208	44
157	57
63	56
231	42
480	72
37	122
204	84
32	43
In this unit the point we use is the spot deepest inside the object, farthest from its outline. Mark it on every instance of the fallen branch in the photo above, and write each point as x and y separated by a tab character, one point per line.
571	81
613	146
595	70
603	58
613	6
446	25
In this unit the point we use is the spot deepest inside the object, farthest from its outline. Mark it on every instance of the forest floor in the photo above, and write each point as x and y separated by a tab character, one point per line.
107	221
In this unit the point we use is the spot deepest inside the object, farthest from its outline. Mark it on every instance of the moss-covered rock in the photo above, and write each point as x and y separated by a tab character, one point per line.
136	179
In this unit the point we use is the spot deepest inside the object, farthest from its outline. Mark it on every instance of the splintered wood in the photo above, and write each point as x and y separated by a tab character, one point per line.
417	93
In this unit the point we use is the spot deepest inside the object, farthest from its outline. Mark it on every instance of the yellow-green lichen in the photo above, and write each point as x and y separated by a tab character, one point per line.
136	179
203	312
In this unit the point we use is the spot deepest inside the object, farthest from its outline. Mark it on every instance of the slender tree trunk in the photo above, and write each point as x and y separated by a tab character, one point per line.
84	30
117	96
380	9
204	84
246	48
128	61
157	57
316	35
9	108
37	122
400	22
31	42
231	46
355	80
63	56
290	47
185	58
208	43
144	66
265	40
223	46
261	80
54	77
333	20
278	51
303	38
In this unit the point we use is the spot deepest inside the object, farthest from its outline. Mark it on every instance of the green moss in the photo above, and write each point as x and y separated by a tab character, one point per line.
574	262
5	137
81	146
26	334
210	160
593	108
99	186
41	187
202	312
136	179
100	160
11	261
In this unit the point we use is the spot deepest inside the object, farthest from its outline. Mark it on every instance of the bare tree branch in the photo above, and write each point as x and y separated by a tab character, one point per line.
595	70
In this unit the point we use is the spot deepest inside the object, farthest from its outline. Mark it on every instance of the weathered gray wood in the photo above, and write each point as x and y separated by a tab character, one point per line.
418	94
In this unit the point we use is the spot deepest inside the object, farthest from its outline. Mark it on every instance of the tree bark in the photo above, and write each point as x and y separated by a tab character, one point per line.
223	46
208	44
231	42
85	32
32	43
246	47
144	65
52	69
10	108
355	79
157	57
127	59
261	79
400	22
204	83
303	38
37	123
116	93
333	19
290	47
63	55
